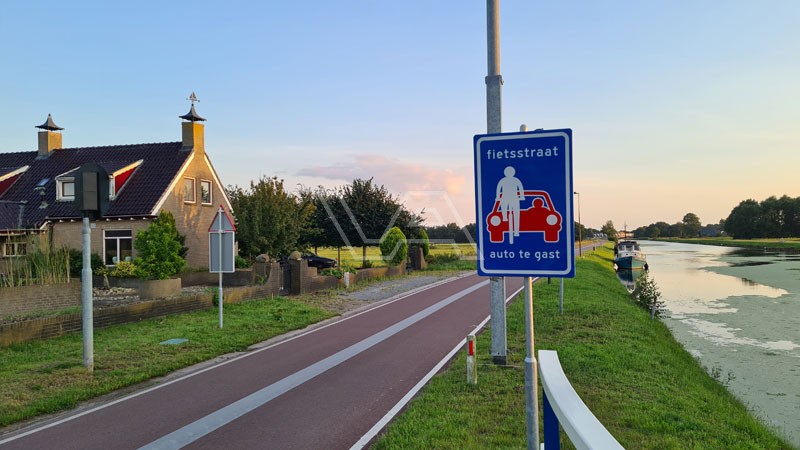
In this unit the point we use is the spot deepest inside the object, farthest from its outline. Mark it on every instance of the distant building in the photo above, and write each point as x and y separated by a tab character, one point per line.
623	235
37	192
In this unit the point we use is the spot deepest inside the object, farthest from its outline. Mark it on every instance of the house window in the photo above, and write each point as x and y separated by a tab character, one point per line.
66	189
205	192
117	246
189	190
14	249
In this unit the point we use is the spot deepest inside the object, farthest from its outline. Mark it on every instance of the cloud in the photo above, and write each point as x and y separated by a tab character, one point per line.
395	174
445	194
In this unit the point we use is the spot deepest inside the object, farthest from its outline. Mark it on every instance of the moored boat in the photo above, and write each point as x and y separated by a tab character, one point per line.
628	255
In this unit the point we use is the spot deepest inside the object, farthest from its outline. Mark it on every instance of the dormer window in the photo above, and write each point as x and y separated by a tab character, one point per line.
120	177
119	173
65	189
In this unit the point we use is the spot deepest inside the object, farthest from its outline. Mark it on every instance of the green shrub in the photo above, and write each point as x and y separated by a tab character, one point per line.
76	262
338	272
426	243
394	247
443	258
647	295
241	263
158	248
124	269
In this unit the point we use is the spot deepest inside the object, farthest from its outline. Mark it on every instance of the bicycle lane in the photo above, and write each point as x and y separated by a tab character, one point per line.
150	415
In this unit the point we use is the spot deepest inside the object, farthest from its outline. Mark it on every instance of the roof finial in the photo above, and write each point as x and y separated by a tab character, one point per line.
192	115
49	125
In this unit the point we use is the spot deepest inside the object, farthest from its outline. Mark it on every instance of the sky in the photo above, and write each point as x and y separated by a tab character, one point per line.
676	106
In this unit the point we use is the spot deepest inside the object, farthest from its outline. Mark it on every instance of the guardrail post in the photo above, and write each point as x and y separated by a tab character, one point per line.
552	440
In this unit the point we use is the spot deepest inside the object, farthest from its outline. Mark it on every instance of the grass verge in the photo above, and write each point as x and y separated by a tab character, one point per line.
640	383
47	376
351	256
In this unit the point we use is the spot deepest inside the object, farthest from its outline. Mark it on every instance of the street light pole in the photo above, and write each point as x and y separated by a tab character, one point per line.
494	83
580	225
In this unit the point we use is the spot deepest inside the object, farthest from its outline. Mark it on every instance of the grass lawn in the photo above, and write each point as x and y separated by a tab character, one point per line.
640	383
47	376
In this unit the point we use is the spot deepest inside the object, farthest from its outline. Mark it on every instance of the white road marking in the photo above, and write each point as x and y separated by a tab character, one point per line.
201	427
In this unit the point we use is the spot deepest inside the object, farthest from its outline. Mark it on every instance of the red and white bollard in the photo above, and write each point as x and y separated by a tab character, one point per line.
472	366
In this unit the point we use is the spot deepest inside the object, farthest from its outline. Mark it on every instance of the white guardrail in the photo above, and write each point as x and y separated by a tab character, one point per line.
563	405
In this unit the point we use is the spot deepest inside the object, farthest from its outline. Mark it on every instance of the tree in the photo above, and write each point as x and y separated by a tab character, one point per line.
321	230
370	211
158	249
742	223
609	230
269	219
691	225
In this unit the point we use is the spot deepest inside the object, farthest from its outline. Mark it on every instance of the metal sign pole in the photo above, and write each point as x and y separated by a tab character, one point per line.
221	299
531	375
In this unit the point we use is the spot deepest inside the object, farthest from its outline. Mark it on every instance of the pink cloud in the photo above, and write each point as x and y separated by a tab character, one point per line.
395	174
445	194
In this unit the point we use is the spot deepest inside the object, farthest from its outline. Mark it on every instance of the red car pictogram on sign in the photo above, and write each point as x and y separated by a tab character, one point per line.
541	217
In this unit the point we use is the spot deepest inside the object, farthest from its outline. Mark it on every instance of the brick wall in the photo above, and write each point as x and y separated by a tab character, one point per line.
56	326
308	280
379	272
26	299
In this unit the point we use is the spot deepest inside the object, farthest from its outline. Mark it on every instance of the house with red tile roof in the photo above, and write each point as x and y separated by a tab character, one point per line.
37	193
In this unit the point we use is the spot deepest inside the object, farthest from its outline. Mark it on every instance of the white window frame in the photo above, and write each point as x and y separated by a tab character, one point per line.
210	192
60	184
15	248
193	190
117	239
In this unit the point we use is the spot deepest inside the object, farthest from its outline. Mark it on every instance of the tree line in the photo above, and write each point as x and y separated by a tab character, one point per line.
274	221
770	218
690	226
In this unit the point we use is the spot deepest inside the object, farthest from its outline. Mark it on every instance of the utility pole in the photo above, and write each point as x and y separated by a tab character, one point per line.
87	298
494	124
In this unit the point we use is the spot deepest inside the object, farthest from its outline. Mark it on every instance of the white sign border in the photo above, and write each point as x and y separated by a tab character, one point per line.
479	207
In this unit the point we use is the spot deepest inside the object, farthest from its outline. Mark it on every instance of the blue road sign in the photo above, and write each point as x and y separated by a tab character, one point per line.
523	190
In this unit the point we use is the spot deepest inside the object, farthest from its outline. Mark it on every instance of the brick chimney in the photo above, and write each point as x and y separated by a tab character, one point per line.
49	137
193	131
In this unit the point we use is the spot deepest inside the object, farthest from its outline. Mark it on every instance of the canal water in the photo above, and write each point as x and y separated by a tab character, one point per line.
738	313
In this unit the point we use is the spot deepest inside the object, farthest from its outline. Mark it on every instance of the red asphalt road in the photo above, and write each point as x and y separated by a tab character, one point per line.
332	410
